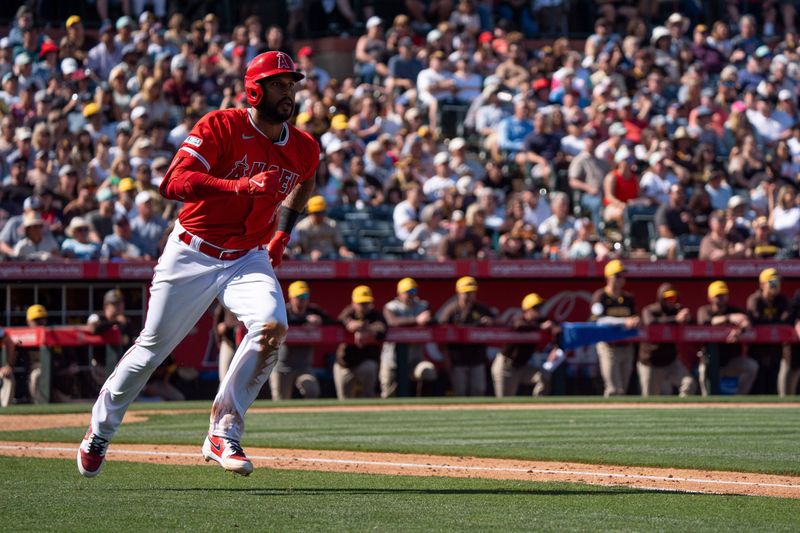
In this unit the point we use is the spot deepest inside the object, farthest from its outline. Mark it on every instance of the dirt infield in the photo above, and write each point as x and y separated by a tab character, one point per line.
682	480
679	480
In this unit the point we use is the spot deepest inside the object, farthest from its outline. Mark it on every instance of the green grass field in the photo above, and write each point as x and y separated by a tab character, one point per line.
48	494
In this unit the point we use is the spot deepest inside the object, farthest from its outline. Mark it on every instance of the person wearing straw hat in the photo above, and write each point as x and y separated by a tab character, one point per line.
37	245
467	362
406	310
78	245
294	367
768	306
356	365
659	367
512	367
612	305
731	361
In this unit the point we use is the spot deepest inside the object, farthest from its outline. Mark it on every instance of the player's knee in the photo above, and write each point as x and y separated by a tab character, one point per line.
270	336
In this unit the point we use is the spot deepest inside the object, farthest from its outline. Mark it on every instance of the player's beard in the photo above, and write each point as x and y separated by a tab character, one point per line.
277	113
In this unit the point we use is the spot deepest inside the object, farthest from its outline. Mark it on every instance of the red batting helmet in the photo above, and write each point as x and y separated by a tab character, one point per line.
263	66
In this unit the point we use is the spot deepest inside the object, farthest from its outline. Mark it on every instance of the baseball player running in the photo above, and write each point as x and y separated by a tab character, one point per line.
232	172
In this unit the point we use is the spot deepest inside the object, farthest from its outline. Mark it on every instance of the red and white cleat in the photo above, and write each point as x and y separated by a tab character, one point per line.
91	454
228	453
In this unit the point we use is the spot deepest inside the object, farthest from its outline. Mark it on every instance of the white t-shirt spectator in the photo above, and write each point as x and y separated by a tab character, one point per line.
769	128
403	213
786	224
656	187
427	78
720	195
435	186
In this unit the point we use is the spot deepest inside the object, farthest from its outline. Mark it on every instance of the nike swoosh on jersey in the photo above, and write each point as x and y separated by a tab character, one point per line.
258	183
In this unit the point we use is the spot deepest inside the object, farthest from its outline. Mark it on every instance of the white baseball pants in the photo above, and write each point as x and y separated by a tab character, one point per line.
186	282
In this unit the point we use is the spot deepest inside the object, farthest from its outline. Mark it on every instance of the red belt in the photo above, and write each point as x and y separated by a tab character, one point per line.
211	250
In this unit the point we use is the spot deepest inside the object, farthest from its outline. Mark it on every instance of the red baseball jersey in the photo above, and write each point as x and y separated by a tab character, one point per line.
228	144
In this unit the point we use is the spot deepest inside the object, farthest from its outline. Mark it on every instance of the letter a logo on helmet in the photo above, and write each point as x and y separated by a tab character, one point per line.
263	66
284	62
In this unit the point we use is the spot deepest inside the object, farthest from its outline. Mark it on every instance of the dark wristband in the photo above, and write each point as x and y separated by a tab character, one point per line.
287	219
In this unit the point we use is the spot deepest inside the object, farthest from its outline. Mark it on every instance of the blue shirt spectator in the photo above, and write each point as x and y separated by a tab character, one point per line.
514	129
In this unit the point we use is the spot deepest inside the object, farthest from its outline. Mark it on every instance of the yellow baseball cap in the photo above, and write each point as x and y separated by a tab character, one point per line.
302	118
36	311
126	184
90	109
71	21
339	122
768	274
466	284
299	289
613	268
670	293
405	285
716	288
532	300
362	295
316	204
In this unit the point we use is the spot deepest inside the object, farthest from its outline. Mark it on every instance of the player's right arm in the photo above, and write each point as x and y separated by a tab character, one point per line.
189	176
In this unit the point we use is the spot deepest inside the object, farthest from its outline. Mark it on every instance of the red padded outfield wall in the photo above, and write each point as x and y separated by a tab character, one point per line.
567	285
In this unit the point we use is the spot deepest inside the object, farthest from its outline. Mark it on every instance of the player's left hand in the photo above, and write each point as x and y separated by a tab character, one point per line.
277	246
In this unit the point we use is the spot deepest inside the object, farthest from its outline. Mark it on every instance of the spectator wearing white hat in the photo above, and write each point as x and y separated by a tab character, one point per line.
460	163
37	244
658	178
12	231
442	180
6	58
23	147
179	87
149	231
370	52
786	111
77	245
608	149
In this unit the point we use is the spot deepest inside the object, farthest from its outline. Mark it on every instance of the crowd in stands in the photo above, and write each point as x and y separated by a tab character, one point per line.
671	139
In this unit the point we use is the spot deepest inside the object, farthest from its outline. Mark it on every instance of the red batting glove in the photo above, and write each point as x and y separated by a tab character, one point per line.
262	184
276	247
